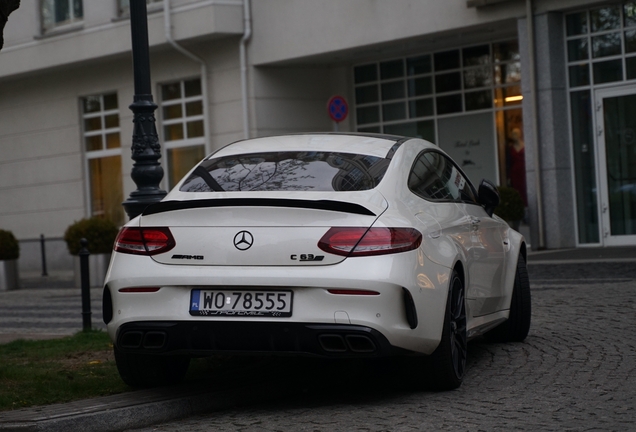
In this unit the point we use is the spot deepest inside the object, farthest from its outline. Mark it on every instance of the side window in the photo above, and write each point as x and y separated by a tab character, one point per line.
424	181
435	177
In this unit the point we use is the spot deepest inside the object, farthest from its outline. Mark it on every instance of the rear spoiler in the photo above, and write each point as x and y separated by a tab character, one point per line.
339	206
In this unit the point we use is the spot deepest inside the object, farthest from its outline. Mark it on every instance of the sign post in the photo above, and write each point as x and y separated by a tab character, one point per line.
338	109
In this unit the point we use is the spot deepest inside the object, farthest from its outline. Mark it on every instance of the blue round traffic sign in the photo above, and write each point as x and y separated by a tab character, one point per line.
338	108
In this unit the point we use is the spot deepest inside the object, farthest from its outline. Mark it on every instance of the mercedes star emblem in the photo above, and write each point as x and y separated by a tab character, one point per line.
243	240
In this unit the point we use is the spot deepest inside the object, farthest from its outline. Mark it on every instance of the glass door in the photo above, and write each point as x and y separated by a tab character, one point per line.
616	131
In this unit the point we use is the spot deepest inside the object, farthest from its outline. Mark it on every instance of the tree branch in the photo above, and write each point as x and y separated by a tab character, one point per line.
6	7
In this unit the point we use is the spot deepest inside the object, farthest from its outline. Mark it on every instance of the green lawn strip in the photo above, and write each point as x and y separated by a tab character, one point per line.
82	366
58	370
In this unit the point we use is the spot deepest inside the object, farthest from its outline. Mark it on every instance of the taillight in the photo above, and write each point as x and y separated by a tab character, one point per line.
144	241
369	241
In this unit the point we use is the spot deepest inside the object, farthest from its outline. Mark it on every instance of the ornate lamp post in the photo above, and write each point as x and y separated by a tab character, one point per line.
146	150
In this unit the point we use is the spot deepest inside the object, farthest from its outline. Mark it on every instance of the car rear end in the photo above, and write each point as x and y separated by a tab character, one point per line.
303	267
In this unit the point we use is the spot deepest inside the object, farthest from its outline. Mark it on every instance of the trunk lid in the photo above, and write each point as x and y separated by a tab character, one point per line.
251	231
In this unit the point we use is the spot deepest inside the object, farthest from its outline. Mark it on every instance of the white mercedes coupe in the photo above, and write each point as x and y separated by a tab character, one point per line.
331	245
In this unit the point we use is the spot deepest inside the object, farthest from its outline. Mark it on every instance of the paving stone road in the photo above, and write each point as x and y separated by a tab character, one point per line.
46	313
576	371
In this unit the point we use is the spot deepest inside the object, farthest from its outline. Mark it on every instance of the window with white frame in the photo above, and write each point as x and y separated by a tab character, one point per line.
409	95
183	127
102	146
124	6
600	46
59	13
404	96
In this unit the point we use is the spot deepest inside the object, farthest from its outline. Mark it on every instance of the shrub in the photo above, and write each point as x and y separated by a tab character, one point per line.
100	234
510	206
9	247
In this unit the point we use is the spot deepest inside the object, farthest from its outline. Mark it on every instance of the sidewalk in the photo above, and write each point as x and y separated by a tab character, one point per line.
22	317
583	255
143	408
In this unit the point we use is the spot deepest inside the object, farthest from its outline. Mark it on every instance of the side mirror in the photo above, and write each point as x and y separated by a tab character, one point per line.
488	196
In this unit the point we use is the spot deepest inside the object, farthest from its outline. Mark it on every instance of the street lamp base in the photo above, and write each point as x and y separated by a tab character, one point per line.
138	201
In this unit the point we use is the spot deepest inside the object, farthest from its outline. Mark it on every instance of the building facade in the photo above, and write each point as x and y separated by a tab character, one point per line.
532	94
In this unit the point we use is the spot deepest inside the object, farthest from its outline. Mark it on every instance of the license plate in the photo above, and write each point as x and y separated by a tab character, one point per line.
241	303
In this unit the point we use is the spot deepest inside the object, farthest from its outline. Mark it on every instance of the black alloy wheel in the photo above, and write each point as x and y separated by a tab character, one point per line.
448	361
459	341
517	326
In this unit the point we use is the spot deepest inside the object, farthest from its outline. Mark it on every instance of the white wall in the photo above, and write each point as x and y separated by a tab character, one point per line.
294	99
294	30
40	160
102	33
306	28
42	186
284	30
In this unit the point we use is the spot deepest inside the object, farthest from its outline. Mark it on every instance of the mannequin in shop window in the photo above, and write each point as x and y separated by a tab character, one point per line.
517	164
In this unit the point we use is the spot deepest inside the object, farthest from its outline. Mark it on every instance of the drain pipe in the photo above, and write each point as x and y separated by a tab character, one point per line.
247	19
167	20
535	123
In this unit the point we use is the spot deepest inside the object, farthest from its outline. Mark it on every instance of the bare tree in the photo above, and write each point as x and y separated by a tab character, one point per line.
6	7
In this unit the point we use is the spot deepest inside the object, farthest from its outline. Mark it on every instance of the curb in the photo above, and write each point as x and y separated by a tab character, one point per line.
234	387
581	261
125	411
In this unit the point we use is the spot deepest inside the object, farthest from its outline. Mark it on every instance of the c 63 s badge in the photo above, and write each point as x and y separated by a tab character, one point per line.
307	257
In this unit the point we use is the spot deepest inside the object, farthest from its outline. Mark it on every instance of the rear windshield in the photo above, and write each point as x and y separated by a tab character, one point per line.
287	171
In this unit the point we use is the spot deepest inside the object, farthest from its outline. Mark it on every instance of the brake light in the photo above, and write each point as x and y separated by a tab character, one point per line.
359	241
144	241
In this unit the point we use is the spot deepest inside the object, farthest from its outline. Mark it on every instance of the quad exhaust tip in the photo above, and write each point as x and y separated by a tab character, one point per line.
148	340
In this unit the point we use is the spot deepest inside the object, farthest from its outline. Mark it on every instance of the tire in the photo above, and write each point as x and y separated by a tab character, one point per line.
517	326
448	361
145	370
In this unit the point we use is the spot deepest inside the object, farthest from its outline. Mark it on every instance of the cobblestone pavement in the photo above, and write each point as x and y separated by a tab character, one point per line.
37	313
575	371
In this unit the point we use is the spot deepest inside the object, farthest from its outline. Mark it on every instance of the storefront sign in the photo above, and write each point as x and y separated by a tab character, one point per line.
470	141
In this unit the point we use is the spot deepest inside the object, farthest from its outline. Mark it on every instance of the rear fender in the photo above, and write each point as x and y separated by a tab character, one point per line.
515	245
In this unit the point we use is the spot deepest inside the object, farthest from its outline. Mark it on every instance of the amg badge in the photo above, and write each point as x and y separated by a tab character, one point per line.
187	257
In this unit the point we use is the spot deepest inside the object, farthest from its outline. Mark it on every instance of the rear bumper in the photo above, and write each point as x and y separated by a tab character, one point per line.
416	328
196	338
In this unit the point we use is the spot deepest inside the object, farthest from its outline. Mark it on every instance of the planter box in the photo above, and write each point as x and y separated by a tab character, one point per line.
97	268
9	277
